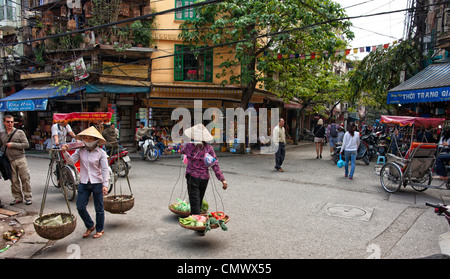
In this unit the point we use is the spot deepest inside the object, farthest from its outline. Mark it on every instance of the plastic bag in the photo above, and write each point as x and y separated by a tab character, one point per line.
341	162
209	160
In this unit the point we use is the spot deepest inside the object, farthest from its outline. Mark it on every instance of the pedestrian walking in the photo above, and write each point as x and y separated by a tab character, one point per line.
319	137
350	148
332	135
198	154
279	137
94	178
15	142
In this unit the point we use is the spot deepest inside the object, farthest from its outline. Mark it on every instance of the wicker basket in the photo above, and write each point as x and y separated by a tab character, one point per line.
182	214
54	232
227	218
112	205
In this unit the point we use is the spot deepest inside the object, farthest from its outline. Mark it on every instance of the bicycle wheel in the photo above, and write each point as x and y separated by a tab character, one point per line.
54	174
112	180
69	181
391	177
423	180
152	153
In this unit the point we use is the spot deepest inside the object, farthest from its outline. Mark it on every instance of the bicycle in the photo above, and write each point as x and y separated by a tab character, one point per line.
64	175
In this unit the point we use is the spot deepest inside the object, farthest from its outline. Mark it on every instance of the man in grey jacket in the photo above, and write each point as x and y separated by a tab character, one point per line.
15	151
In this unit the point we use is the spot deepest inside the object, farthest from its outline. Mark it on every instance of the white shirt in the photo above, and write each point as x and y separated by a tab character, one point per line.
279	135
93	165
61	132
350	143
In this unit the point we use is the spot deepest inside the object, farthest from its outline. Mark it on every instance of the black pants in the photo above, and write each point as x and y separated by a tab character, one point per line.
279	155
196	190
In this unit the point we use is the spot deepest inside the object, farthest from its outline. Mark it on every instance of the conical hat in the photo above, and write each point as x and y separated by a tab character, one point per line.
198	133
93	132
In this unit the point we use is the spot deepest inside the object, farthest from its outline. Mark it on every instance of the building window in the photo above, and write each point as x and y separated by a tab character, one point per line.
186	13
192	67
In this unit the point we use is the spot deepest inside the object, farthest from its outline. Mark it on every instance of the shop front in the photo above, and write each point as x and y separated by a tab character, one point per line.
426	94
33	108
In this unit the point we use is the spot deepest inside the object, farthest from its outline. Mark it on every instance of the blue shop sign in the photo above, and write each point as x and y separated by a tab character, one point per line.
24	105
441	94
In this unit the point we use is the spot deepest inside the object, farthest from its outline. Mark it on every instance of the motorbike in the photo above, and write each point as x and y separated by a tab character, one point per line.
120	162
383	144
372	141
148	149
360	154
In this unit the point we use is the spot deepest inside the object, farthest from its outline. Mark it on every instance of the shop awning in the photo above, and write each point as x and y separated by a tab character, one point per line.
34	98
432	84
119	89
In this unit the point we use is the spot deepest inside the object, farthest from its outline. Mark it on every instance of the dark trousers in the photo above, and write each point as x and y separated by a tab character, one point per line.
279	155
196	191
84	192
441	161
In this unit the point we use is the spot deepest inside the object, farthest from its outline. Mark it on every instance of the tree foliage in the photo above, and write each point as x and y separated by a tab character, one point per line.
380	71
260	27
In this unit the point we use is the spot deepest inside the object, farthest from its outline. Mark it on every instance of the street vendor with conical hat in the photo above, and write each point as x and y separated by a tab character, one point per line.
200	155
94	178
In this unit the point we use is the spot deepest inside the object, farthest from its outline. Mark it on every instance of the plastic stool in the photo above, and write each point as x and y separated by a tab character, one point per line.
381	159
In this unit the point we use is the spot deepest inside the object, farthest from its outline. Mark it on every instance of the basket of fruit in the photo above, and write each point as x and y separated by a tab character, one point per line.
55	226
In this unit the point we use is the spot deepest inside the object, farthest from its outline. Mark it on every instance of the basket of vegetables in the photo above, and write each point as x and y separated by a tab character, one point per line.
183	209
55	226
204	222
118	204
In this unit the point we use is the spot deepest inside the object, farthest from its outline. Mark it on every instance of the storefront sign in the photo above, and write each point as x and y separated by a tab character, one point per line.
24	105
441	94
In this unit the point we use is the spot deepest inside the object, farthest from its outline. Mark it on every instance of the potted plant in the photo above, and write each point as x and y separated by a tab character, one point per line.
142	36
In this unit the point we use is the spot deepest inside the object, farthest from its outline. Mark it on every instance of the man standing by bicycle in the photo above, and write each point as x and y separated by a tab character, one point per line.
15	142
60	132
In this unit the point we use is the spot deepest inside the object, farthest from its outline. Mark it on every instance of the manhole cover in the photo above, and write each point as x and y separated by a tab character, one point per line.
347	211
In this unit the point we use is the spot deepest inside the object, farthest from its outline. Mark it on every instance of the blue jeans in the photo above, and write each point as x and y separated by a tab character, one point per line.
350	156
84	192
441	160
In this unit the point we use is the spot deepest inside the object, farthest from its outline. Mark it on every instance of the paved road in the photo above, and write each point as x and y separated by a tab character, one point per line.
309	211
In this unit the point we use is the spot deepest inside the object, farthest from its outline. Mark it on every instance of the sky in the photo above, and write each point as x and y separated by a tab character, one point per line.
375	30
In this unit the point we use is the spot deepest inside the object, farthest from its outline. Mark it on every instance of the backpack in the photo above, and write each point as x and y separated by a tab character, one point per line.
333	131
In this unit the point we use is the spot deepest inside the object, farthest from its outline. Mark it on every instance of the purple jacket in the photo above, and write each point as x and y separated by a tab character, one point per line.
196	166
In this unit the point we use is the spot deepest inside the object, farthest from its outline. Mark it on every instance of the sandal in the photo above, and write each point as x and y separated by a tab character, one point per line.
88	232
98	234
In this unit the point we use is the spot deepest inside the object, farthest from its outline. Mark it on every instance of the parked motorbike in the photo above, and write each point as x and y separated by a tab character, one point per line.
360	154
148	149
120	163
372	144
383	144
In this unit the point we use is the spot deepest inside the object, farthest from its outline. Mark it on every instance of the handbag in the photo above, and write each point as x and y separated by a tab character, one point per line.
341	162
5	165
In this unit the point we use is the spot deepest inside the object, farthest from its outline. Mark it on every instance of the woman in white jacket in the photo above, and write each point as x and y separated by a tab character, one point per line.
350	148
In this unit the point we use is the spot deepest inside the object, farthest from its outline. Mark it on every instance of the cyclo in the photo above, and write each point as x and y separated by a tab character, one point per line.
414	166
67	175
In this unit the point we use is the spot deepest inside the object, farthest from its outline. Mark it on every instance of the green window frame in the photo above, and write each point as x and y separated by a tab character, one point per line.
186	13
192	67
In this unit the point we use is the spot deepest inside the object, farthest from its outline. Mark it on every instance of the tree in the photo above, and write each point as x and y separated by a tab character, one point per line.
259	27
380	71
